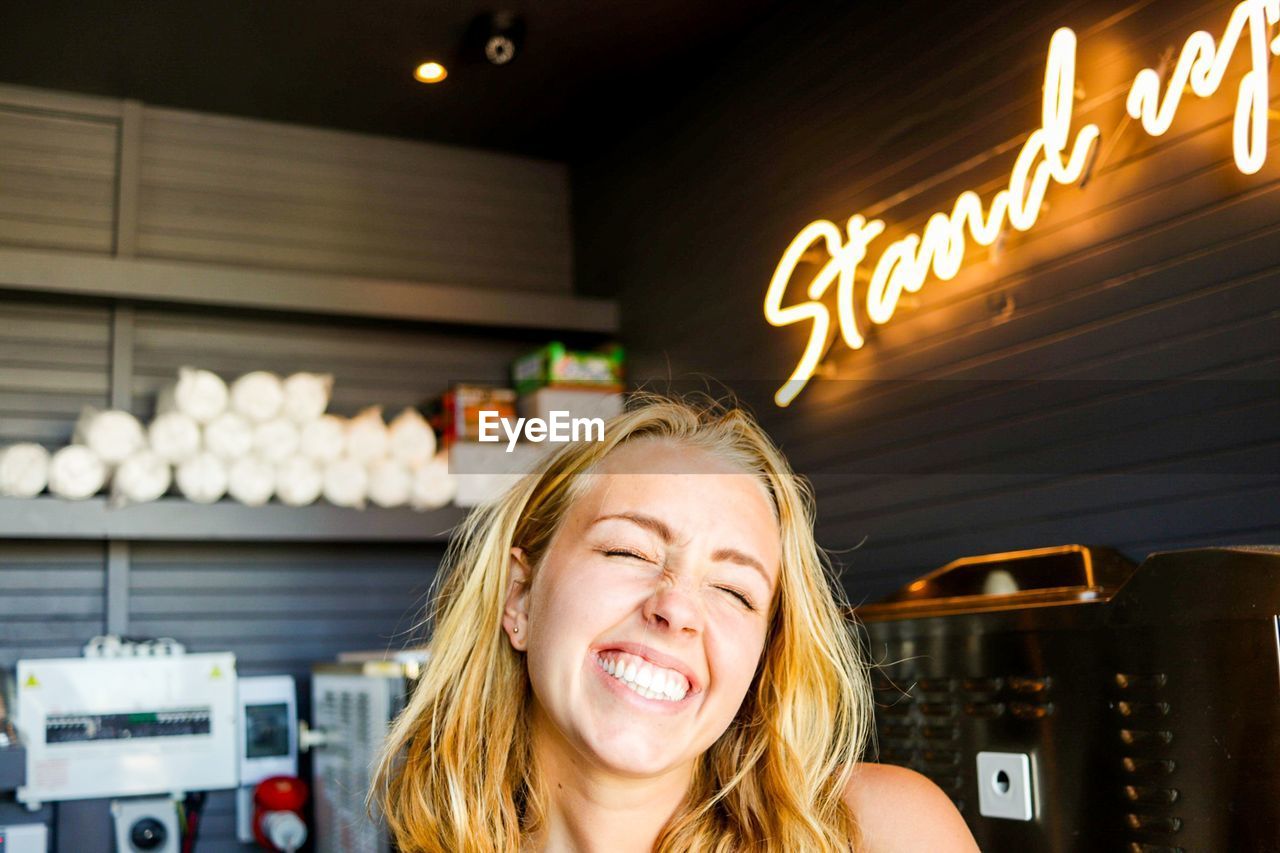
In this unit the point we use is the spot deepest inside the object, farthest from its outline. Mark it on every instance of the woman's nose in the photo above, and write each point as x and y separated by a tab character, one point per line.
674	609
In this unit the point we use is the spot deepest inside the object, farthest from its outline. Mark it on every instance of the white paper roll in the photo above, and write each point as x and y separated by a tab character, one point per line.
390	483
346	483
251	481
324	439
24	470
229	437
174	436
275	440
258	395
367	436
141	478
410	438
76	472
202	479
306	396
198	394
433	485
299	481
114	435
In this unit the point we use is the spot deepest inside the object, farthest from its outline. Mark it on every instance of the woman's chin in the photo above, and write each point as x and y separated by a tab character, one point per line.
633	755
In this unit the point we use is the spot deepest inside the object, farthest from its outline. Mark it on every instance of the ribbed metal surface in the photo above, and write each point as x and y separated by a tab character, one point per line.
929	443
370	364
53	361
248	192
51	598
280	608
57	180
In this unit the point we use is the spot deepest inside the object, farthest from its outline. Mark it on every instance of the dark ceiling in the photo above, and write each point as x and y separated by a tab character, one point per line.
587	67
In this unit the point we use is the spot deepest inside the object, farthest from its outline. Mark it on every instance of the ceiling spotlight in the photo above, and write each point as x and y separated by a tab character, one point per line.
503	36
430	72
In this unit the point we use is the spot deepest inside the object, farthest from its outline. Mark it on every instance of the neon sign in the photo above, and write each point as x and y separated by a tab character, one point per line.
1202	65
1050	154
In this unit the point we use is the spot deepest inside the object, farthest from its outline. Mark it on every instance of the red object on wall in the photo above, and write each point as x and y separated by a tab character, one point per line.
277	794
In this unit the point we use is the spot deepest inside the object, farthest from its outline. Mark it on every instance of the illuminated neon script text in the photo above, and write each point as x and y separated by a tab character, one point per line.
1050	154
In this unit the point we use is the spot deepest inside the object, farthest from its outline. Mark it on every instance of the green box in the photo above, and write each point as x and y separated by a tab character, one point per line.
556	365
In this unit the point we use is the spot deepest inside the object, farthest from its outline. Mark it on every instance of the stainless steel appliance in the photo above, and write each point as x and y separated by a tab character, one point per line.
353	705
1070	701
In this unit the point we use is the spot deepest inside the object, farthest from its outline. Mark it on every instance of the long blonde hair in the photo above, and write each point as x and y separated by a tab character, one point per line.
457	771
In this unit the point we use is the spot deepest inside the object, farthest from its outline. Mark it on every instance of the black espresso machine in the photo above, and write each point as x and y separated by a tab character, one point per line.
1068	700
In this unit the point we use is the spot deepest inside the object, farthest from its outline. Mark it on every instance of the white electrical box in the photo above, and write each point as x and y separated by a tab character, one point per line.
113	727
268	711
24	838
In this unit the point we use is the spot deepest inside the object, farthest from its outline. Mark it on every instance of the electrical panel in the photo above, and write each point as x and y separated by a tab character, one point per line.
268	739
112	727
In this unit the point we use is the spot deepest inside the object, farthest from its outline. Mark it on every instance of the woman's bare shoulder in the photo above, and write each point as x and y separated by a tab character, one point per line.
900	811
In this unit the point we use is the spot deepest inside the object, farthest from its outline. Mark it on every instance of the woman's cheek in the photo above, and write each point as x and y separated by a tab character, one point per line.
734	654
592	593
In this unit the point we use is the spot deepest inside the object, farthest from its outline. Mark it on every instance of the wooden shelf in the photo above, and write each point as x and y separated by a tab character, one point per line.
304	293
177	520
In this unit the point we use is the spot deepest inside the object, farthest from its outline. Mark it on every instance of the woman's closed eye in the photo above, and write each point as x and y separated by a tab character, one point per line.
625	552
742	597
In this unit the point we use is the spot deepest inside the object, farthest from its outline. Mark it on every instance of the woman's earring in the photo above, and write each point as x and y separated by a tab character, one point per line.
516	629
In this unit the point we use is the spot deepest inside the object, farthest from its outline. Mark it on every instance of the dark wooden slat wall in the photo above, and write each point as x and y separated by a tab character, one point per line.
1108	377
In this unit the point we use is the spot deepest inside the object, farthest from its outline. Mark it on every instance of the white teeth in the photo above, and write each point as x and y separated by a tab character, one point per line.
649	680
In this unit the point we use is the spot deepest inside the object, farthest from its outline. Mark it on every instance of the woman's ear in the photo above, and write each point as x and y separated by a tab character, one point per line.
515	613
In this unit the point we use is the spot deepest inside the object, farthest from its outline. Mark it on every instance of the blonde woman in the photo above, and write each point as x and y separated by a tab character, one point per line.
638	649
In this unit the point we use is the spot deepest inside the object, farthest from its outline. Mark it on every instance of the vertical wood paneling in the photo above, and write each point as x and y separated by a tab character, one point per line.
929	443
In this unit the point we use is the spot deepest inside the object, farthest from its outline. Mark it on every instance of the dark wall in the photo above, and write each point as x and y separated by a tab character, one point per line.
1107	377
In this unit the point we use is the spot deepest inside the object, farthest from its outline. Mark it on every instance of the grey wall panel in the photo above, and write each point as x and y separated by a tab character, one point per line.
57	179
996	410
249	192
53	361
394	367
279	608
51	599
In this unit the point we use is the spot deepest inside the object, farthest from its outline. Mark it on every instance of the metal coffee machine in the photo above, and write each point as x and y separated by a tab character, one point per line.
1068	700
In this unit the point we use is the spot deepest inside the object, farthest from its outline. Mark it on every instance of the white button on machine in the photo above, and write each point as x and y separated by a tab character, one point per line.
1005	785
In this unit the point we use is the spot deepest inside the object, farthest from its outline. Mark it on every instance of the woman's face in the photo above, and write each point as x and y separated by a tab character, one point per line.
646	620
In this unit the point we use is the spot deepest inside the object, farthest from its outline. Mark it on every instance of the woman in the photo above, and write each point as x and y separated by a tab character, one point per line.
638	648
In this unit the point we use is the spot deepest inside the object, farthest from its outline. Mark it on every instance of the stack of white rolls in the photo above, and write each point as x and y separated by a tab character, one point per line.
257	438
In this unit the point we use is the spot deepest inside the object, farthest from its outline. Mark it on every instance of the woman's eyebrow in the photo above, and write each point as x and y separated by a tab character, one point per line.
732	555
648	522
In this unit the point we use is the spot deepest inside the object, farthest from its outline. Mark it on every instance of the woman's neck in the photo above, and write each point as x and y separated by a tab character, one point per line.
590	810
